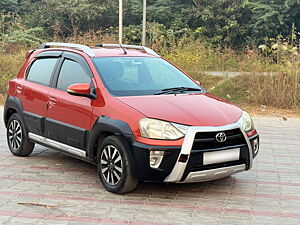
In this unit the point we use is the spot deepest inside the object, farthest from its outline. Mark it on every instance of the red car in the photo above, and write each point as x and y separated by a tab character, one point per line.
129	111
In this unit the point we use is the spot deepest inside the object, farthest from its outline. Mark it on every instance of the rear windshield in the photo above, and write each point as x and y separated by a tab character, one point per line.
133	76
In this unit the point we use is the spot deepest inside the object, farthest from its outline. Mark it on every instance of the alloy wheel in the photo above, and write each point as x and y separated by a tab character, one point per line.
111	165
15	134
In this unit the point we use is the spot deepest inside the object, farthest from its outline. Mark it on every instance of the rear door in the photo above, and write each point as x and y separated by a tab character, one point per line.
68	116
33	90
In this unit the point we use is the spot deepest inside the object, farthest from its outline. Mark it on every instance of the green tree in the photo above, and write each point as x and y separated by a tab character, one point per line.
68	17
159	11
222	22
13	32
232	23
274	17
8	5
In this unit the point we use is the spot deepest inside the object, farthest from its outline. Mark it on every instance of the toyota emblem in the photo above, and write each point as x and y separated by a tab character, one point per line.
221	137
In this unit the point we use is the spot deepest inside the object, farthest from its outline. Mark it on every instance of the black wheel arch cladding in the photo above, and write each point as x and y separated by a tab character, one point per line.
105	124
13	104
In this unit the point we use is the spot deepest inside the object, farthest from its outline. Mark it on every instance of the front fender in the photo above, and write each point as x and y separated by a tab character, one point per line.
103	125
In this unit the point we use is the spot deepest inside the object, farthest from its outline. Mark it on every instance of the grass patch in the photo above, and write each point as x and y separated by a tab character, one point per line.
195	58
209	81
280	90
10	65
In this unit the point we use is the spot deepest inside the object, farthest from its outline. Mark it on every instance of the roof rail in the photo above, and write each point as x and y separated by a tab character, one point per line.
138	47
83	48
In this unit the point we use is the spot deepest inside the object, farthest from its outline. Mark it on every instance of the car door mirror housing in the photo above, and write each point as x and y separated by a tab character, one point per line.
81	89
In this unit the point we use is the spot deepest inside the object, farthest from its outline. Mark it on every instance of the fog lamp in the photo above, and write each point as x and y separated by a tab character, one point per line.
255	146
156	158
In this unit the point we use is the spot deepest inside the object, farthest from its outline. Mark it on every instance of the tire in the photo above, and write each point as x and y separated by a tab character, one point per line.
18	144
114	166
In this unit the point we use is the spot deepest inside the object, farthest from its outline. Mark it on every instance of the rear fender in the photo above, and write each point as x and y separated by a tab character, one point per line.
14	104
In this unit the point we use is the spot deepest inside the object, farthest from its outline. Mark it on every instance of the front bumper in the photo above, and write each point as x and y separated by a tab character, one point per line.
142	169
183	164
214	174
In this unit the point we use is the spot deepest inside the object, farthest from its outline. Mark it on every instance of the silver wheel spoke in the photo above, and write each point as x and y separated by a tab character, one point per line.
112	177
103	161
17	141
119	169
108	176
109	152
105	153
12	143
118	159
18	126
114	154
104	170
111	168
18	138
16	144
117	175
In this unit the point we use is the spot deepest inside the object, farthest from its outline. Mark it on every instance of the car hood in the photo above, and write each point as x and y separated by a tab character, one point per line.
202	109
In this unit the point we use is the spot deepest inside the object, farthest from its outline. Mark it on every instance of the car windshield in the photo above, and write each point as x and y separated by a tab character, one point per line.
133	76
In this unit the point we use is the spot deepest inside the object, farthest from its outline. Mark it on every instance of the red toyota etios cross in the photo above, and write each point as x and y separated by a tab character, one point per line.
128	111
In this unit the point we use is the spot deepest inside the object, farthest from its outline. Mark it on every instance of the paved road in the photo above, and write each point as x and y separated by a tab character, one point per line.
51	188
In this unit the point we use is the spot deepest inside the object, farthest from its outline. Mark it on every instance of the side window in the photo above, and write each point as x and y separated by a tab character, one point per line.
71	73
41	70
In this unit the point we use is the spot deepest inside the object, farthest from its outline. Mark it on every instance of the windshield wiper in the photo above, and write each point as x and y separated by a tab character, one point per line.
177	89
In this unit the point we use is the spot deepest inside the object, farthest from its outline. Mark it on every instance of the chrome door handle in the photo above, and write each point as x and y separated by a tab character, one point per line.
19	89
52	100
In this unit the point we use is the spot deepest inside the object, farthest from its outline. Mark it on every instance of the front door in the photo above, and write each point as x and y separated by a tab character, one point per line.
68	116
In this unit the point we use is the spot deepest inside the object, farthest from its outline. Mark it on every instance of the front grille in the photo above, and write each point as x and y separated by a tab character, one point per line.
206	141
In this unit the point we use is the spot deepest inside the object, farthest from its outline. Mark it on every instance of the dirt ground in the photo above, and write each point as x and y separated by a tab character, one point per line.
271	112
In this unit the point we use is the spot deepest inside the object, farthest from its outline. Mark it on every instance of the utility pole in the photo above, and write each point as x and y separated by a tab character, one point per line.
120	21
144	23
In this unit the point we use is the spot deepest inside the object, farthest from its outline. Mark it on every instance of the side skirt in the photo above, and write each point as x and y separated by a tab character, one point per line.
63	147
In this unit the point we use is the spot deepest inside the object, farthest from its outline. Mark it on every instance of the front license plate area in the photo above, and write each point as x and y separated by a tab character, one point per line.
221	156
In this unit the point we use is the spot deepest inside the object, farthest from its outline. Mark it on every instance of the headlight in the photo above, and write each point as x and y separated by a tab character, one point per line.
158	129
246	122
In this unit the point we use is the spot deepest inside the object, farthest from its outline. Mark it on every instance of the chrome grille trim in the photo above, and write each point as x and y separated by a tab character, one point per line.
179	168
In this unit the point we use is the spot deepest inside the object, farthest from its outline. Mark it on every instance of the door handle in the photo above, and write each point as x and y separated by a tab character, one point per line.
52	101
19	89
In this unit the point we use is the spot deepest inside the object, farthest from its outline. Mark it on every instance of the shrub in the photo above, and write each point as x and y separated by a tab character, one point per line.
14	35
9	67
280	89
